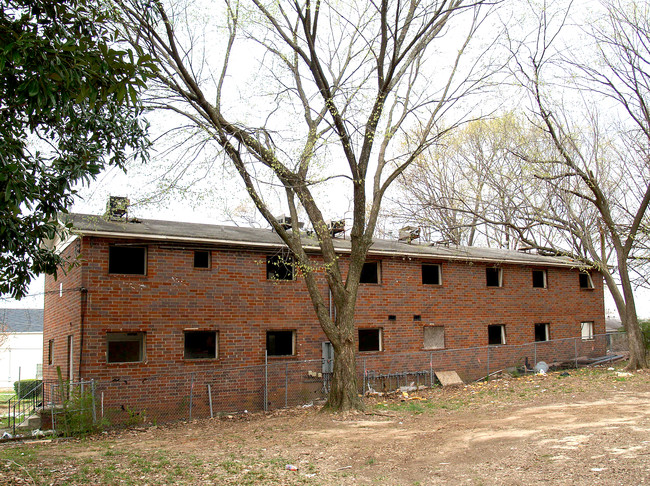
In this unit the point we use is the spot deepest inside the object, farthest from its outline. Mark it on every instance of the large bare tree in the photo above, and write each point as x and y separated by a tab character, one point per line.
336	85
575	178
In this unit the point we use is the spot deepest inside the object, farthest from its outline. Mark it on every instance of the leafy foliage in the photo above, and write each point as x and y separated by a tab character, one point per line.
28	388
68	108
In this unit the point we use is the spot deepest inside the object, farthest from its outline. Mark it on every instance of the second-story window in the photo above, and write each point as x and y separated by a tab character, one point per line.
431	274
201	259
494	277
127	260
539	279
370	273
279	267
585	281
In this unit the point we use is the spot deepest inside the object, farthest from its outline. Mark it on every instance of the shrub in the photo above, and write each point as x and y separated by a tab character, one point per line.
28	388
645	329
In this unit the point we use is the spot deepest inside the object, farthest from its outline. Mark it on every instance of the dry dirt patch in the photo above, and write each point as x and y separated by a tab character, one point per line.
591	427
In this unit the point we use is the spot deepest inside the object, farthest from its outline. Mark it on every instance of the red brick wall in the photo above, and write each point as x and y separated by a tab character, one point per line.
235	298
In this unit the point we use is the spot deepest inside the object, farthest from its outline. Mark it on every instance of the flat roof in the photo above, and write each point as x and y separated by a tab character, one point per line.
259	238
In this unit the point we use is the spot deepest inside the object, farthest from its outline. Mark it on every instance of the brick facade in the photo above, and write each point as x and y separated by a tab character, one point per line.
234	298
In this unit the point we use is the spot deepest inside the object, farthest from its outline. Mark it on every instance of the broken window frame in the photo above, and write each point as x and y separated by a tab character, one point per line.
208	259
379	339
369	276
283	332
544	278
489	281
437	273
501	334
133	336
585	280
587	330
433	328
194	356
280	268
546	332
116	266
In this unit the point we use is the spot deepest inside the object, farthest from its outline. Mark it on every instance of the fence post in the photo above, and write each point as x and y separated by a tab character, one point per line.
191	393
210	400
487	376
286	385
266	380
535	346
575	351
363	392
431	370
92	391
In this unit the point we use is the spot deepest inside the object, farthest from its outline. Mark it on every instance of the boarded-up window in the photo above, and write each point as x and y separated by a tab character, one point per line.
587	330
125	347
200	345
434	337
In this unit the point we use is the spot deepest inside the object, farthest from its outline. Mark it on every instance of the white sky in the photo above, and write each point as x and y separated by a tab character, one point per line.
212	203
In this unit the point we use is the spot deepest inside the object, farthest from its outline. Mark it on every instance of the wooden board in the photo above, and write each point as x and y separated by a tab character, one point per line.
448	378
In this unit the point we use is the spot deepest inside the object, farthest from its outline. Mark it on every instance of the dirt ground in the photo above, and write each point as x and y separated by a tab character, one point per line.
590	427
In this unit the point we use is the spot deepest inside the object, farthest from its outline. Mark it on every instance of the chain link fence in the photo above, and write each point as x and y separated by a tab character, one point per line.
70	408
280	384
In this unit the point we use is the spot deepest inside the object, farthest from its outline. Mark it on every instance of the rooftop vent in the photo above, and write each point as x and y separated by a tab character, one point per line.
336	227
285	222
409	233
117	207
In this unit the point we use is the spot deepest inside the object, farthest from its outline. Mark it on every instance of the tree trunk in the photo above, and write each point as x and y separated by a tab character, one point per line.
344	390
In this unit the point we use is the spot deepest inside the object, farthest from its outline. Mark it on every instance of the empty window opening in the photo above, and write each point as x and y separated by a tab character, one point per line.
279	267
280	343
201	259
542	332
200	345
127	260
50	351
585	281
125	347
417	317
431	275
539	279
370	273
392	318
496	334
370	340
494	277
434	337
587	330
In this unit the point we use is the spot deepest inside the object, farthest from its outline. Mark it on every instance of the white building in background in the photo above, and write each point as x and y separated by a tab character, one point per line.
21	345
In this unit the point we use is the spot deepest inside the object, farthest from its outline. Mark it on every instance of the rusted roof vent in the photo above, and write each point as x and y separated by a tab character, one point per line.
285	222
409	233
336	227
117	207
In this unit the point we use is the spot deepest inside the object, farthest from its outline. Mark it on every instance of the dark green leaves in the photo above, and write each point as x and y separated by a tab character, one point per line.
69	106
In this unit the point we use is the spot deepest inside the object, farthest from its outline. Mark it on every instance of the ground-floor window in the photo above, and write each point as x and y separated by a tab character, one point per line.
200	345
587	330
496	334
370	340
542	332
125	347
434	337
280	343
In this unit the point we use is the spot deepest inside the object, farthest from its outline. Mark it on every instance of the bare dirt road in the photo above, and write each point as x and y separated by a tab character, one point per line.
591	427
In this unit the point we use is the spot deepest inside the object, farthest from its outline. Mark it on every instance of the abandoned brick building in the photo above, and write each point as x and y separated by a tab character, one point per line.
149	298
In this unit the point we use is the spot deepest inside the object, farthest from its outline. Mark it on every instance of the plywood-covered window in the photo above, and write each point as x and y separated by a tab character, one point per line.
434	337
